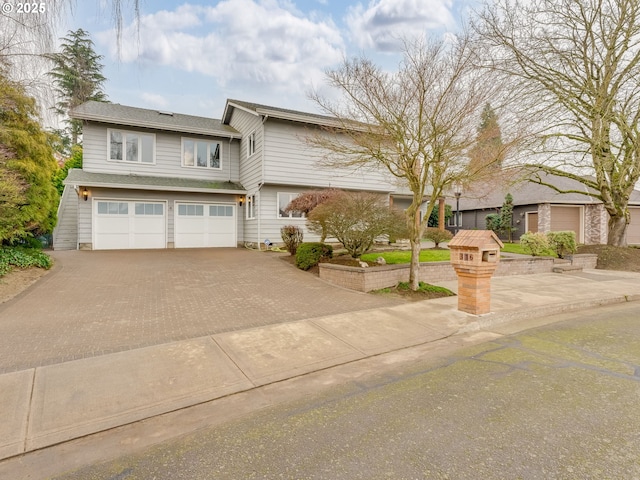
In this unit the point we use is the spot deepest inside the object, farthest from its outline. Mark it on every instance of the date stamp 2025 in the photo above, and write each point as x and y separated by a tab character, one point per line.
23	7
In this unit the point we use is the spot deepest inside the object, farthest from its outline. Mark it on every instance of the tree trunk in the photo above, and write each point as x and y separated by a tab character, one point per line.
617	230
414	268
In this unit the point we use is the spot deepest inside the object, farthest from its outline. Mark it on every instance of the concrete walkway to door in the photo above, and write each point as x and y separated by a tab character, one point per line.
99	302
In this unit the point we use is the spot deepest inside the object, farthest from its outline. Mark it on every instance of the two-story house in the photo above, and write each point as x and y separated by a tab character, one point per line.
154	179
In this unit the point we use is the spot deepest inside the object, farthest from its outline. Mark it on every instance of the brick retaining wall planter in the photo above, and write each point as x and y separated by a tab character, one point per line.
375	278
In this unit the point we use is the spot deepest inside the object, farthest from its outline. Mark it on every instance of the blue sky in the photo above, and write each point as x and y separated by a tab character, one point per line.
189	57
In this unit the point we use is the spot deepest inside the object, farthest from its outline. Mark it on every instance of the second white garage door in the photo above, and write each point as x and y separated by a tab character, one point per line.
200	225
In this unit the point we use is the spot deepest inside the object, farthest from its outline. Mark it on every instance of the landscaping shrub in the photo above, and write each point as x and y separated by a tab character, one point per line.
437	236
292	237
563	242
493	222
310	254
356	219
22	258
535	243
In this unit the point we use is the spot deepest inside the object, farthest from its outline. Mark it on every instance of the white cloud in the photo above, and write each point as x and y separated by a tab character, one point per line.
255	42
384	23
154	100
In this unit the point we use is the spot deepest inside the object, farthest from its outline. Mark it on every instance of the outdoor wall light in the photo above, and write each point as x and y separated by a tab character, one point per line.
241	201
85	194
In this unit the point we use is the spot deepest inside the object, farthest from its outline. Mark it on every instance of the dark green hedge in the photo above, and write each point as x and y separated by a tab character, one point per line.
309	254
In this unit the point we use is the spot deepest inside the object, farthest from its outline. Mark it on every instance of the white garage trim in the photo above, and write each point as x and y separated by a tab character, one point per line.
120	224
205	224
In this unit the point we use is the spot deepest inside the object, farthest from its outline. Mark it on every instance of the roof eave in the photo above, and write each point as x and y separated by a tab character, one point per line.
95	184
228	112
153	125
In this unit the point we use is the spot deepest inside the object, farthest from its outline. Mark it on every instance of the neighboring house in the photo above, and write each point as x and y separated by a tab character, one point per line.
153	179
538	208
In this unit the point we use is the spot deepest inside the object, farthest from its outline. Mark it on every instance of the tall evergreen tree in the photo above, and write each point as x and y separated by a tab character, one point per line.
506	217
28	199
488	150
77	75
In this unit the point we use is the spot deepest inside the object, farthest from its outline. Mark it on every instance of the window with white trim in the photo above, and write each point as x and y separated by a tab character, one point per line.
113	208
283	200
135	147
251	144
220	211
452	222
187	210
251	206
201	153
149	208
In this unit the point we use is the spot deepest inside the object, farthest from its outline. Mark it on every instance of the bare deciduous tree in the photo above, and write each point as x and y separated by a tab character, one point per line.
417	123
575	65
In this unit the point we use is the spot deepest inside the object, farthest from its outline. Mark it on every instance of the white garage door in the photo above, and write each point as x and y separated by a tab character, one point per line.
123	224
205	225
633	229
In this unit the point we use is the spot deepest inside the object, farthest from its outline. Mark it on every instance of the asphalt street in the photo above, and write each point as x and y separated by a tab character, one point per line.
555	402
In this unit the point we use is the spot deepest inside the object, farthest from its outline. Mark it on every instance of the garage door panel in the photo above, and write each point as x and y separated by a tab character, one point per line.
205	225
567	219
148	226
125	224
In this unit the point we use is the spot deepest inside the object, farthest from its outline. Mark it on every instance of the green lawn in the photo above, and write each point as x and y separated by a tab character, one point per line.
403	256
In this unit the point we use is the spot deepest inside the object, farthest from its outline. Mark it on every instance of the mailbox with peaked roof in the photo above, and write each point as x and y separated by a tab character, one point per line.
475	247
475	255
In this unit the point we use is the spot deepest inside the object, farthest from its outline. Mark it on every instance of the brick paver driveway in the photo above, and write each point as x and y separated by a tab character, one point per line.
94	303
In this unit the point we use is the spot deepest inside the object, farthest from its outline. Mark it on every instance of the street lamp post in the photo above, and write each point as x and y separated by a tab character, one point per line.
457	191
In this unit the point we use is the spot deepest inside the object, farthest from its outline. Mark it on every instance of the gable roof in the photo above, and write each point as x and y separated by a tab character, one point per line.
276	112
529	193
116	114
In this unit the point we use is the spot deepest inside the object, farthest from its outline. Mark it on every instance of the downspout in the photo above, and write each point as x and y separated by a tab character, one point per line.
264	119
229	158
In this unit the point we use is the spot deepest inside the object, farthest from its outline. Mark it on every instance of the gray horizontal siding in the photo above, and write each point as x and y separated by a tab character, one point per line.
270	224
250	167
168	156
290	161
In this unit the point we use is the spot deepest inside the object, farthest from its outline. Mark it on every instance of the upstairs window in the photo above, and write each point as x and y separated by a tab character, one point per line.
251	144
134	147
200	154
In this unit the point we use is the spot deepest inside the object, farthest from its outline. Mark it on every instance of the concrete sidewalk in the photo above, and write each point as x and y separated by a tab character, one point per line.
44	406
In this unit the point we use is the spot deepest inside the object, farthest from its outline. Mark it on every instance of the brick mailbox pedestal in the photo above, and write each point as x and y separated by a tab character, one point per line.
474	256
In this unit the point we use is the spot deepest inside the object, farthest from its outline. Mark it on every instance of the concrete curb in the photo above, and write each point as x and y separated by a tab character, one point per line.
486	322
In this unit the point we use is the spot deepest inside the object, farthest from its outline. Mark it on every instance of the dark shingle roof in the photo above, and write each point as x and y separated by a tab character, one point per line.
276	112
116	114
139	182
529	193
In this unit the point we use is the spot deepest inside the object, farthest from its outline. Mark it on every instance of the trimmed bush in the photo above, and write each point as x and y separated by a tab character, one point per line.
535	243
563	242
310	254
292	237
436	235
